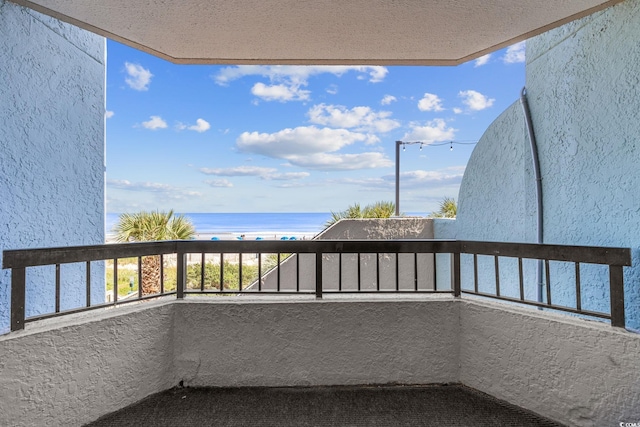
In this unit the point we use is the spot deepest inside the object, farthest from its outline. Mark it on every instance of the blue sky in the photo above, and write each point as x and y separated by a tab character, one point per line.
198	138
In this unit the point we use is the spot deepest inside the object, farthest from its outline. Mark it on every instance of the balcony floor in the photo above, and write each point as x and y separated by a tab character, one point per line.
434	405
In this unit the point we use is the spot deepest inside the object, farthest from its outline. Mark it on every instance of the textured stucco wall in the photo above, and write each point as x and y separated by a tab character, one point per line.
316	343
492	202
72	370
497	203
582	86
365	229
577	372
583	81
52	103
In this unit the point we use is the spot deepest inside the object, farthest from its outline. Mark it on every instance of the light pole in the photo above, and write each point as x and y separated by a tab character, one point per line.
398	144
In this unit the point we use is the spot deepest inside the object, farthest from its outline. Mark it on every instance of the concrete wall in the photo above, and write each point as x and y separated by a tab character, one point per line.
72	370
365	229
52	104
582	85
577	372
316	343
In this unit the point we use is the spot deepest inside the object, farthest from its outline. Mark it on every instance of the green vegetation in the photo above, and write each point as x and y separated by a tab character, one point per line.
128	269
212	275
376	210
448	209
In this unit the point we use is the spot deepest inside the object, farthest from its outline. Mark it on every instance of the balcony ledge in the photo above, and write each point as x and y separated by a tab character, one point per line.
86	365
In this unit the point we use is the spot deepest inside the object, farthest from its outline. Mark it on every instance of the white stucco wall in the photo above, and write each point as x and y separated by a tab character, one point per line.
52	104
72	370
582	85
316	342
577	372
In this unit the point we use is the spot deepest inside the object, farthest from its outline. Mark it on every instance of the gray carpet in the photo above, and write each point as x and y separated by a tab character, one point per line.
436	405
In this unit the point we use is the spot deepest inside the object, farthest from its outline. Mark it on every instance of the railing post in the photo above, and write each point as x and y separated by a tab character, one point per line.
616	284
18	295
180	274
456	274
318	274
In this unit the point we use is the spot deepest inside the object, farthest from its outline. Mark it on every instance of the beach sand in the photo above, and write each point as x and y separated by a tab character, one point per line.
254	235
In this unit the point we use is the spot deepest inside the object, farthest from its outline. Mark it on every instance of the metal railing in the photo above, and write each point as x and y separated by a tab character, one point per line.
317	268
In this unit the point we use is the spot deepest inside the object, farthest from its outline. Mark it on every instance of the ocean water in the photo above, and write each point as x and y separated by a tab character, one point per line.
238	223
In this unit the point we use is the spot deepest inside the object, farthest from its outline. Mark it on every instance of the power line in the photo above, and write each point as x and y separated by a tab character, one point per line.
422	143
438	144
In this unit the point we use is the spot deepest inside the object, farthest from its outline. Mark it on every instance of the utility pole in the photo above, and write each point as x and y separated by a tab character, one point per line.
398	144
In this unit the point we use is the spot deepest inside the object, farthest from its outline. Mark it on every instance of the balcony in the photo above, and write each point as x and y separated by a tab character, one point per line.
414	312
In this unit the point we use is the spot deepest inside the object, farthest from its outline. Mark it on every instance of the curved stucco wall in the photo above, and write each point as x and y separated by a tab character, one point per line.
52	103
497	202
582	86
583	81
492	202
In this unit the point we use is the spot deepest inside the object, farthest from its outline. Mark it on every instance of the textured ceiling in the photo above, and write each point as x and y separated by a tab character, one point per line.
386	32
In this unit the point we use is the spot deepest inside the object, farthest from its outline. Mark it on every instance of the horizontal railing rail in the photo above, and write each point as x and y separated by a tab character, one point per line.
316	267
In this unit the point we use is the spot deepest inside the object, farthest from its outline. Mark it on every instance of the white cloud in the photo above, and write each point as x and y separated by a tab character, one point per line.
296	73
288	176
434	131
162	190
411	179
298	141
483	60
342	162
310	147
139	77
515	53
264	173
219	183
108	114
359	118
430	102
286	81
155	123
475	101
332	89
200	126
238	171
422	178
280	92
457	110
388	99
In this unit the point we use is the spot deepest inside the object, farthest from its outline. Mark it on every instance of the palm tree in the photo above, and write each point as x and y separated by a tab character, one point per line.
448	209
380	210
149	226
376	210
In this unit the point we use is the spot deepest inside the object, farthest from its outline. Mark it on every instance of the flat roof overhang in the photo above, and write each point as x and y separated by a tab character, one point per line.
302	32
